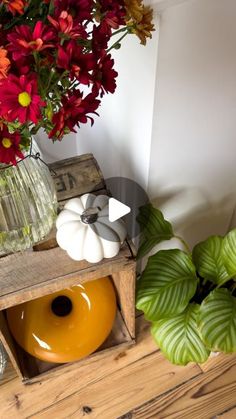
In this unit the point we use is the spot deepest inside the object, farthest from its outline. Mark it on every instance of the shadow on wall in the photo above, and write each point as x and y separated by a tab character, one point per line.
113	160
193	216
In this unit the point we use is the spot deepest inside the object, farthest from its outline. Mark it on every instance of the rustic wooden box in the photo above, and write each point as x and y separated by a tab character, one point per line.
46	269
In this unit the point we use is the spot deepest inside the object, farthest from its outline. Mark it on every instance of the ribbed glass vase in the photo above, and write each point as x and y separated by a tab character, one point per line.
28	203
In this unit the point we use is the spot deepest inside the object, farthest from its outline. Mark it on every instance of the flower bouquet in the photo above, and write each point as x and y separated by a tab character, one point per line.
56	64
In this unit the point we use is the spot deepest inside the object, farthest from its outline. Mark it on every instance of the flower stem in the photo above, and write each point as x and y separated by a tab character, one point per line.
119	31
117	42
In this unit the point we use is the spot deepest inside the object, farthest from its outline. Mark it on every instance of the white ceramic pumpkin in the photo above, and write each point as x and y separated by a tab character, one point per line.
84	229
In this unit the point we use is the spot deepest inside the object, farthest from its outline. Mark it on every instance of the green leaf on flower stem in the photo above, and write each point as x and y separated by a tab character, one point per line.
209	261
229	252
167	284
154	227
217	321
179	339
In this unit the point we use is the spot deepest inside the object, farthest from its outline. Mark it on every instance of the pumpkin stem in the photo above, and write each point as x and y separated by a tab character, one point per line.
90	216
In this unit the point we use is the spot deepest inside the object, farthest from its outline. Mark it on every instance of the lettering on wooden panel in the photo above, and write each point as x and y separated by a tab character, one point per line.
76	176
65	182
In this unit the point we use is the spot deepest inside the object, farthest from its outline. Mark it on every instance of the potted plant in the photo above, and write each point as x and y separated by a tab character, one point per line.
189	297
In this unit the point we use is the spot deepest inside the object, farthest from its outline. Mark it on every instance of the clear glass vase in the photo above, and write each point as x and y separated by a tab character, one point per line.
28	203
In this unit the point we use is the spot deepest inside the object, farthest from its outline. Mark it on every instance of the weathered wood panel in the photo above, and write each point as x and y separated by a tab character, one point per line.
125	285
76	176
29	275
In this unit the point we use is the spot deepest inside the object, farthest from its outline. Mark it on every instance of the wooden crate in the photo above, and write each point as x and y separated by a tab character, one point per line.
47	269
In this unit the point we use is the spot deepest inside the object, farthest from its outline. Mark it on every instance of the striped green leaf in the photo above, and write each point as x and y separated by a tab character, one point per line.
208	259
167	284
154	229
179	338
217	321
229	252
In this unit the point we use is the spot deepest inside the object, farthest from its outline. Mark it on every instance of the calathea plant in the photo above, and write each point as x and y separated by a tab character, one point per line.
189	297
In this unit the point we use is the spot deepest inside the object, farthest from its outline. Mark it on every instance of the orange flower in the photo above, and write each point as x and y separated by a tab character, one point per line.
144	27
15	6
4	63
134	10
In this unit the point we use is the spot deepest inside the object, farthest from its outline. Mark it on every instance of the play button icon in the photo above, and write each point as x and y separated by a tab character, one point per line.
117	209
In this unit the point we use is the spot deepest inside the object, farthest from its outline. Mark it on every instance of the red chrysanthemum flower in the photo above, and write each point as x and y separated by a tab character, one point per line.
111	14
104	77
74	111
15	6
71	57
9	146
80	10
23	65
19	99
23	41
67	25
100	39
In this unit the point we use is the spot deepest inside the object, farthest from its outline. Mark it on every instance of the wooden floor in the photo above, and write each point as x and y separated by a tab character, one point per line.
136	383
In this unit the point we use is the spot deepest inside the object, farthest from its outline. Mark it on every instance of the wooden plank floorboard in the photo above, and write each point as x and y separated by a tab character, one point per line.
202	397
123	390
228	414
214	360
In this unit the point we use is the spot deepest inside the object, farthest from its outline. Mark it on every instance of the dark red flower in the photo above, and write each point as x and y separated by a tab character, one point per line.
100	39
23	41
9	146
112	14
71	57
104	76
19	99
23	65
66	25
74	110
80	10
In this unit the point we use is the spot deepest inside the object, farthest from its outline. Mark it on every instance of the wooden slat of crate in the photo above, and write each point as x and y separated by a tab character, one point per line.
29	275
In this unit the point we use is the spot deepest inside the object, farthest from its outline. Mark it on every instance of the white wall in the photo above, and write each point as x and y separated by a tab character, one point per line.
194	122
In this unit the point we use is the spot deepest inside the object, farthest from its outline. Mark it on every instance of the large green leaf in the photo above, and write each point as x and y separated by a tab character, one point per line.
217	321
229	252
179	338
154	228
208	259
167	284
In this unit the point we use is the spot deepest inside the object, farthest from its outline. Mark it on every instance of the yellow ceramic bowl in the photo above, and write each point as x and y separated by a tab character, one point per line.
67	325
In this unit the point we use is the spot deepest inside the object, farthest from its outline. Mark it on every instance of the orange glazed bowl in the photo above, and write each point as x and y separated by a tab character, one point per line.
67	325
